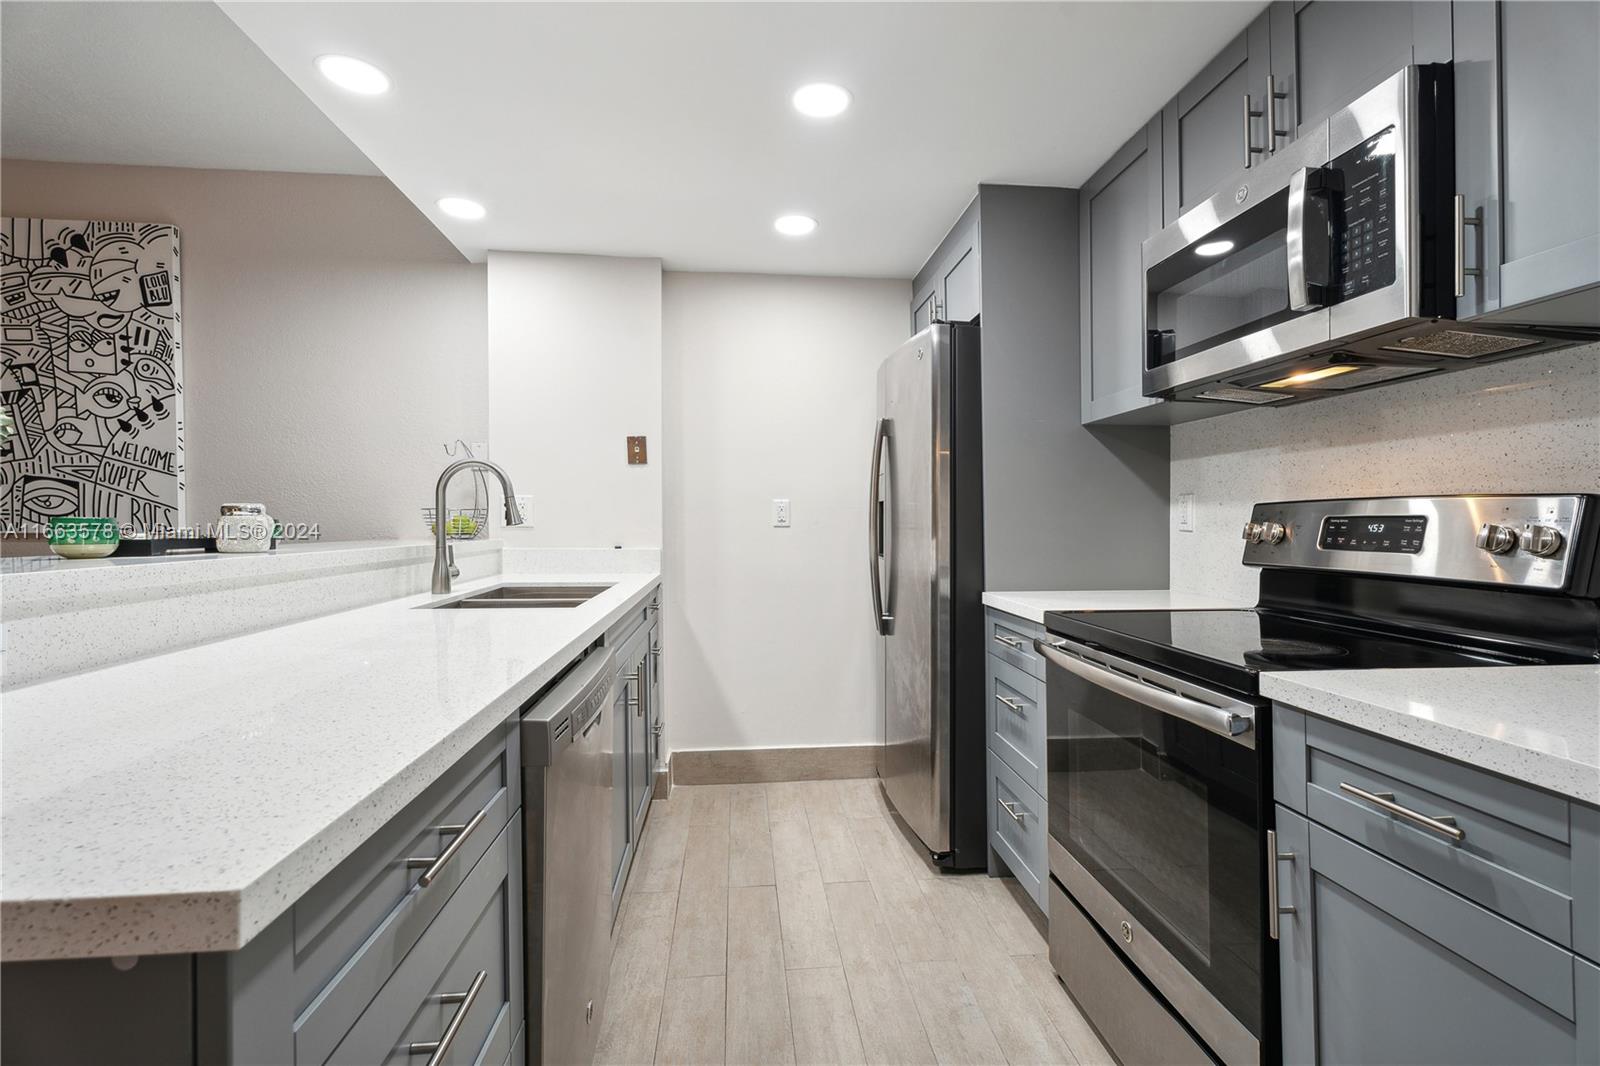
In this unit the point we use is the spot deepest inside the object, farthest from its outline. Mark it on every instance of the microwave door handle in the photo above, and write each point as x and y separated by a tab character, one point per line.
1216	719
1299	290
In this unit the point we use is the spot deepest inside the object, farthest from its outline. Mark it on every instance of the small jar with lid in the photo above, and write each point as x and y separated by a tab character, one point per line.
245	527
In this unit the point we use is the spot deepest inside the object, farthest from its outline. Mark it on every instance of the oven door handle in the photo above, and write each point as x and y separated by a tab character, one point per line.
1216	719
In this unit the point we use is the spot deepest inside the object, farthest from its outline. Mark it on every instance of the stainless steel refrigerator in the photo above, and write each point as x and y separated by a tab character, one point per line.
925	541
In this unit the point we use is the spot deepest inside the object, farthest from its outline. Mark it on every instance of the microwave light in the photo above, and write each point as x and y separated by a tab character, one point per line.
1305	377
1213	248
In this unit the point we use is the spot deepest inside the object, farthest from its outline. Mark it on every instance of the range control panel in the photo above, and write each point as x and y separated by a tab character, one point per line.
1528	541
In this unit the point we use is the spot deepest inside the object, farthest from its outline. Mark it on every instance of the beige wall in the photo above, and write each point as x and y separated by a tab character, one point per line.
333	340
574	370
1524	425
770	388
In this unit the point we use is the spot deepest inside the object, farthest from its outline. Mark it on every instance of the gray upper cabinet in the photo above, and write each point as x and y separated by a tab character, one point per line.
1527	152
1118	208
949	287
1214	126
1328	52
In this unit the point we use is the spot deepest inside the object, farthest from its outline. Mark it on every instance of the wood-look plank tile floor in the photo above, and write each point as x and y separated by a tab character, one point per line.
797	923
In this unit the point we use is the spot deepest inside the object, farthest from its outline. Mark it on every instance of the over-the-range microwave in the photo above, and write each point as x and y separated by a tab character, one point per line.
1333	265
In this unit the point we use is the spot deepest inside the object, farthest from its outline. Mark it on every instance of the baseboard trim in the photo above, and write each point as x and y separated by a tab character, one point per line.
734	766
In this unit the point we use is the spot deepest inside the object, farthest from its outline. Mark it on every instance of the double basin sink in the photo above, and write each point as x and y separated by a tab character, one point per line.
506	596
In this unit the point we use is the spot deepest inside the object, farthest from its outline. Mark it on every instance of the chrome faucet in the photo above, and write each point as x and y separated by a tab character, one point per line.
441	553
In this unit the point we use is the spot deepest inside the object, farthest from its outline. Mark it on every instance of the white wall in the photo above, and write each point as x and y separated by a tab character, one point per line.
574	370
770	391
1525	425
333	341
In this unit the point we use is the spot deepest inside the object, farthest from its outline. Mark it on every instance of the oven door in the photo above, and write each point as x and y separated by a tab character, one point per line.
1157	824
1300	255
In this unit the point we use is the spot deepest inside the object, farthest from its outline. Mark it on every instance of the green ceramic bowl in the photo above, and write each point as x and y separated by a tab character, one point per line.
76	537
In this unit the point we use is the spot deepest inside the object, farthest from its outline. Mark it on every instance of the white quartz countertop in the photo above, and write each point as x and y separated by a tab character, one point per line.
1536	724
181	802
1033	605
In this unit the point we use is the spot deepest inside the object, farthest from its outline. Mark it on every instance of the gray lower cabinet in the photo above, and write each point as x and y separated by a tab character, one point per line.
1527	152
1018	816
1470	939
634	721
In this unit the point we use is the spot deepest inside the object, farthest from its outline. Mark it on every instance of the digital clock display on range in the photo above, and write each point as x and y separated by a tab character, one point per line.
1373	533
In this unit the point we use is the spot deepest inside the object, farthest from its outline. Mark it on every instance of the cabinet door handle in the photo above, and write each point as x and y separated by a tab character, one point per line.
436	1050
1250	149
436	863
1463	220
1015	705
1010	642
1271	114
1274	857
1012	809
1444	824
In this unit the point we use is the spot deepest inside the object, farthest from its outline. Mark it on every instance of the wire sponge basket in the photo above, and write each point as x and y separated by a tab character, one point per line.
460	523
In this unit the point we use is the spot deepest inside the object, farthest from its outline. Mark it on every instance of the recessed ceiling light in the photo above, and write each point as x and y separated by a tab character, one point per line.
461	207
794	225
1211	248
821	99
355	75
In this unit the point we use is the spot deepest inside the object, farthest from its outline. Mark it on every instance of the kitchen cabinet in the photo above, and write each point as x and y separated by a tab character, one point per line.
1215	125
1527	152
1015	721
1118	208
949	288
1401	941
635	717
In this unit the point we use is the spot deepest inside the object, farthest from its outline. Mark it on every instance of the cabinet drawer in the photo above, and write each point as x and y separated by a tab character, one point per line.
353	928
1527	855
1017	828
475	942
1016	718
1011	639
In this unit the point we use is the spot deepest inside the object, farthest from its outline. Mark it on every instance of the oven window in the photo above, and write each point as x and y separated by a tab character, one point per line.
1227	284
1166	817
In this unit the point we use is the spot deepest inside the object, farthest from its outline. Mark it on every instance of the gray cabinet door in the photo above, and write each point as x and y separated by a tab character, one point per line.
621	838
1328	52
1478	122
1398	969
1550	91
963	290
1118	209
949	287
1208	130
922	310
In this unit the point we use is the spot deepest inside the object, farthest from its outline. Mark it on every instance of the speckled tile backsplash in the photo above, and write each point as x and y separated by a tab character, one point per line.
1526	425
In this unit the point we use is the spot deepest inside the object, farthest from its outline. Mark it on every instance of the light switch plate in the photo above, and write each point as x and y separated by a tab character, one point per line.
1186	512
780	513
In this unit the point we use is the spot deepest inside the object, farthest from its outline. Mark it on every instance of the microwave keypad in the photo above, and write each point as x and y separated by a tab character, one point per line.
1365	219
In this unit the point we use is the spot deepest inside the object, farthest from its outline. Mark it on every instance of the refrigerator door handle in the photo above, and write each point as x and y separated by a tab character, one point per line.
875	543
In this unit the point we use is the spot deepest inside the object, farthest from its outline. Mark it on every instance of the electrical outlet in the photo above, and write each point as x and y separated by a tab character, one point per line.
780	513
1186	512
525	505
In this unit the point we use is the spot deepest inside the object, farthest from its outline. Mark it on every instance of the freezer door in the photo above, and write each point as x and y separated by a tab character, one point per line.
913	396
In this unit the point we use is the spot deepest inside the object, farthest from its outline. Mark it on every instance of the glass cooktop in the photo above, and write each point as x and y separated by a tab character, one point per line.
1231	647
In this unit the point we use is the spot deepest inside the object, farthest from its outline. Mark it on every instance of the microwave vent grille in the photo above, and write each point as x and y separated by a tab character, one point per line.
1239	396
1459	344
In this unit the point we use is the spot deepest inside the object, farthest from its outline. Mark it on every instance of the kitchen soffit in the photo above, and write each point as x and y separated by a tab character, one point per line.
665	130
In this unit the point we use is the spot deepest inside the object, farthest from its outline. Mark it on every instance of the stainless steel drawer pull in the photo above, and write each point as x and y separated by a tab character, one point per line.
1010	642
1015	705
436	1050
1274	909
1444	824
436	863
1017	813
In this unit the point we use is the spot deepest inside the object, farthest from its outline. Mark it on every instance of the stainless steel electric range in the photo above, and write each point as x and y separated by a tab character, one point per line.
1159	779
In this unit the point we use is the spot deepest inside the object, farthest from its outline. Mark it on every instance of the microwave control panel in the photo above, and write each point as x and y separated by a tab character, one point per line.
1364	215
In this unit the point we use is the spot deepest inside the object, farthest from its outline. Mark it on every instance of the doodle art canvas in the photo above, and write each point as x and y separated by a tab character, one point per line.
93	373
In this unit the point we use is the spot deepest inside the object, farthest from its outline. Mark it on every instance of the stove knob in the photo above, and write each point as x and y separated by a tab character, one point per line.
1541	540
1497	540
1253	532
1273	533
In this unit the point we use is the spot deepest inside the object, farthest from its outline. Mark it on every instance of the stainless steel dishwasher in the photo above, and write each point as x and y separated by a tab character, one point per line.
566	801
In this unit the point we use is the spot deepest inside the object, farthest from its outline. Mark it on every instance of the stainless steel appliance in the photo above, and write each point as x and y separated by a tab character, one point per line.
1332	265
1160	804
566	800
925	547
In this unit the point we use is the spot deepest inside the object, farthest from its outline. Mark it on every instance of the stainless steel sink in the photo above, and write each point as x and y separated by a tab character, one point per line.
501	596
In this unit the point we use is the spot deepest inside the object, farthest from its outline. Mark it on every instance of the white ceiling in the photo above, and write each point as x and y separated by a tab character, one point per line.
154	84
664	129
